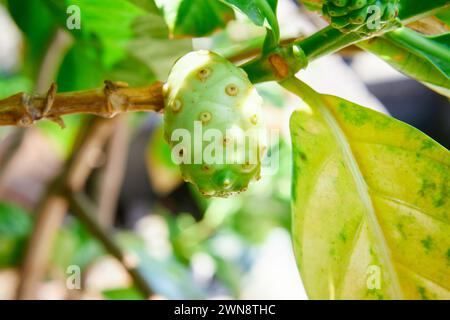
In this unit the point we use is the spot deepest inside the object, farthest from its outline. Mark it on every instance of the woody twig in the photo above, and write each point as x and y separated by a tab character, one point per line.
23	109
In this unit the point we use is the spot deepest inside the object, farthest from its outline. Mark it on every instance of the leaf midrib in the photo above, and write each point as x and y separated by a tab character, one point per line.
363	192
317	104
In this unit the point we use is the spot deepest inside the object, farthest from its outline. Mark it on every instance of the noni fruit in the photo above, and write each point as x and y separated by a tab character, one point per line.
365	17
214	124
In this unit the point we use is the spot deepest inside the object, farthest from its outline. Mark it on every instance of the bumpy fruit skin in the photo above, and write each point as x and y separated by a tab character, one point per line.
205	87
359	15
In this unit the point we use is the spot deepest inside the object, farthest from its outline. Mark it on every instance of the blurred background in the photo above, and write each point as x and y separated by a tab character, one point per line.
186	246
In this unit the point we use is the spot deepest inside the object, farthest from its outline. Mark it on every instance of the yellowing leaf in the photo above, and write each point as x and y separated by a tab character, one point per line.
371	203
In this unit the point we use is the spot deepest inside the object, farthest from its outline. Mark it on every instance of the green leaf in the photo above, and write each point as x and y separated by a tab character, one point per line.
101	48
150	25
75	246
444	16
147	5
14	84
371	203
270	42
123	294
38	27
195	17
82	67
426	59
116	38
412	9
313	5
435	48
133	71
152	46
15	225
159	54
261	12
107	21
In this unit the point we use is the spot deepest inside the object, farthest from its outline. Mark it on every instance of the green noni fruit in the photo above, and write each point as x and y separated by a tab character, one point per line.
361	16
214	124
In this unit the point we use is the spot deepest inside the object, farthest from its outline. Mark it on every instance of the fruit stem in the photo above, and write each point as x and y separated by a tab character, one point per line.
330	40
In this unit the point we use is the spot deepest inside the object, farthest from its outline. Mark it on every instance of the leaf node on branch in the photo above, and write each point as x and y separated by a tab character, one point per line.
24	110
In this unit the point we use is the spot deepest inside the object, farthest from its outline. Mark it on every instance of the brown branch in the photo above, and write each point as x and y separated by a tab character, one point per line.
113	173
40	243
65	192
52	60
116	97
9	149
53	206
84	210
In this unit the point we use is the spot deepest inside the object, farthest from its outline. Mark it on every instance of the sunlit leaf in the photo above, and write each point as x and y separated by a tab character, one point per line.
152	46
103	45
133	71
116	36
108	22
261	12
371	203
38	27
147	5
82	67
195	17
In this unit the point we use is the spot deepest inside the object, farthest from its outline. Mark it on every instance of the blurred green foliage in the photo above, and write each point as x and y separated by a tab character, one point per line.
15	226
187	17
137	41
